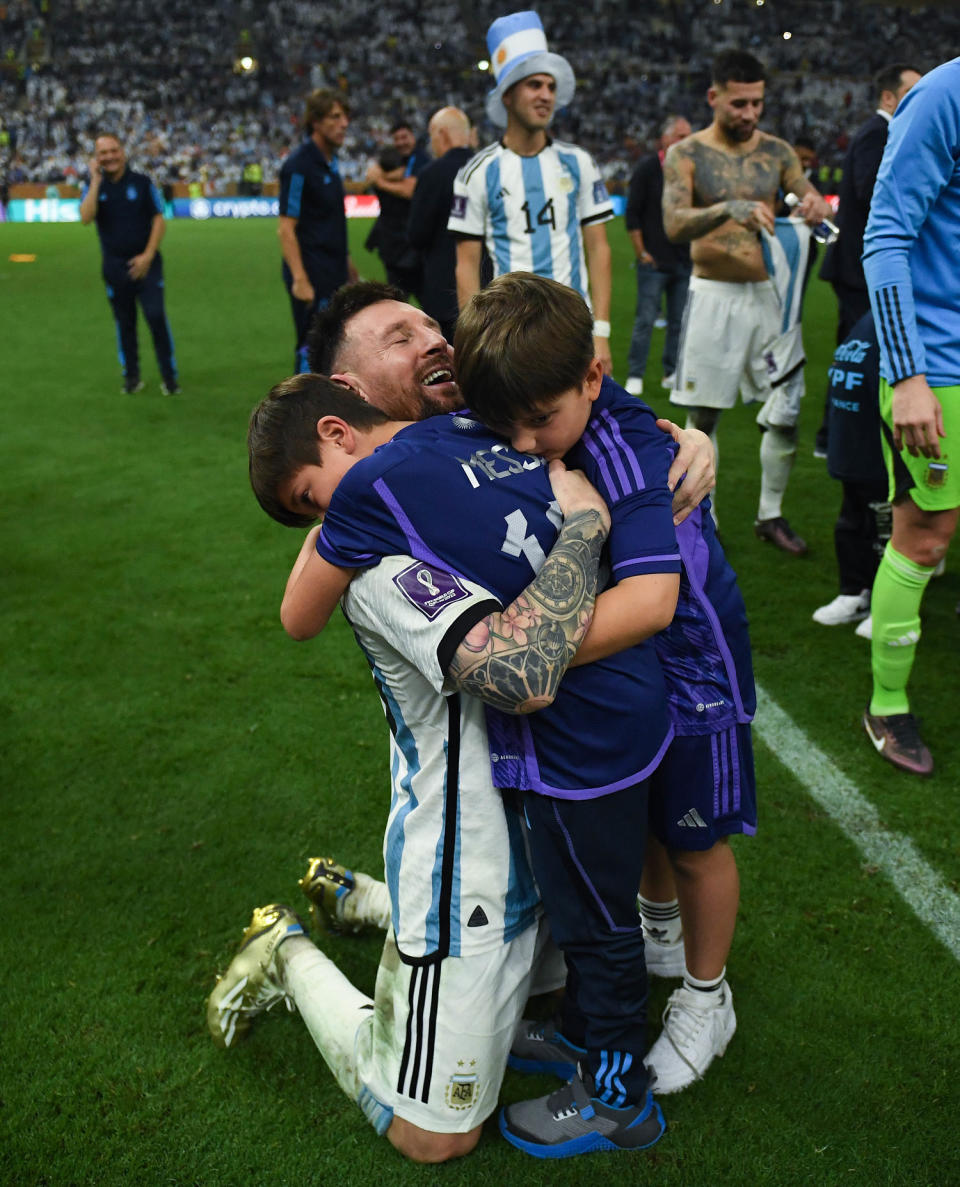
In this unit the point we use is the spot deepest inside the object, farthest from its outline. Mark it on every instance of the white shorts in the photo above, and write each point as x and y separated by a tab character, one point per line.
727	345
436	1047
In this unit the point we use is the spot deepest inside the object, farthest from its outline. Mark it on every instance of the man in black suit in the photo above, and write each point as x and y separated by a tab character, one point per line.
449	130
841	263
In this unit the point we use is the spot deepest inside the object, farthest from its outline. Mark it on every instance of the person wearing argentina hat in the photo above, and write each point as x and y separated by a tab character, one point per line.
538	204
517	46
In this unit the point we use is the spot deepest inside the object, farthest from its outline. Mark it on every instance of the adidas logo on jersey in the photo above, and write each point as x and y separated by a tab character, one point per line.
503	192
692	819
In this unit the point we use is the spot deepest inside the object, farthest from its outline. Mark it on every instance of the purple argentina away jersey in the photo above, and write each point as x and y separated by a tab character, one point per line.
448	492
705	652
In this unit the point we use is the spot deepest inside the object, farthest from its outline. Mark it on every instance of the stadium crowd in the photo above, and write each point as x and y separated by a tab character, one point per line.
168	77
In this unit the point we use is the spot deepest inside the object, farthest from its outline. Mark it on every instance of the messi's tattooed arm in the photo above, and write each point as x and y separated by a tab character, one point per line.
514	659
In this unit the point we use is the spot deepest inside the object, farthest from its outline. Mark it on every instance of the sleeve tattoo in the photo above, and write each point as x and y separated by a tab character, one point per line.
682	220
514	660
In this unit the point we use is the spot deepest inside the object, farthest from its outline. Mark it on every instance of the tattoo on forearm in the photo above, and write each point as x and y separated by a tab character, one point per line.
688	224
514	660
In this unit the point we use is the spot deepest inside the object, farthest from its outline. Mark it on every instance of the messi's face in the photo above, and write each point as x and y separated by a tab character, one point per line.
397	358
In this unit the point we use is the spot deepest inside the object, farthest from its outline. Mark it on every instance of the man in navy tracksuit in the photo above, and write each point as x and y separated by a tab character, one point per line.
128	209
313	225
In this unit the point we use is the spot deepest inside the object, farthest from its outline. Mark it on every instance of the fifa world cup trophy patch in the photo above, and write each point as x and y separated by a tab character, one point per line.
463	1087
429	589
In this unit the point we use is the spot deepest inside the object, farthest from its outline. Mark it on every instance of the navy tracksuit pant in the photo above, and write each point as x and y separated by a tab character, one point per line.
124	294
587	858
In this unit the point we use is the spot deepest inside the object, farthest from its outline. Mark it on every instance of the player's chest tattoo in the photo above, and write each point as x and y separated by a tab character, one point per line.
720	176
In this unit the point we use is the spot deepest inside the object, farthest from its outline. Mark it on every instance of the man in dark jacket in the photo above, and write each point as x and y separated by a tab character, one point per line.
662	266
841	263
427	231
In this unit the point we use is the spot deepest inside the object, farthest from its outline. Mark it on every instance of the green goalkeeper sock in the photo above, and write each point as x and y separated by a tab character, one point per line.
895	607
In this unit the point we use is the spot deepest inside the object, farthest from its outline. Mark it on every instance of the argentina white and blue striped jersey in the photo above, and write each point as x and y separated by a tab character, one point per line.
454	854
451	494
529	210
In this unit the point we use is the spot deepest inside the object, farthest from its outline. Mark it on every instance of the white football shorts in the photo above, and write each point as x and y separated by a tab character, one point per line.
435	1049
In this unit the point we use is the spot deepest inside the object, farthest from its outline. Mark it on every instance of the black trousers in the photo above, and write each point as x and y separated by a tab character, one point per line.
124	294
861	533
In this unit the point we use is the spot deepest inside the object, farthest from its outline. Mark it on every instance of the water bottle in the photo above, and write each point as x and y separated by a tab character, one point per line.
825	232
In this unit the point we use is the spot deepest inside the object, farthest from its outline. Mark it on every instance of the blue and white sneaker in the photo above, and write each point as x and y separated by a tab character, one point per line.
538	1047
251	983
572	1121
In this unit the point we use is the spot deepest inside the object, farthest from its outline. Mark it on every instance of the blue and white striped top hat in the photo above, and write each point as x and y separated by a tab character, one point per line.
517	46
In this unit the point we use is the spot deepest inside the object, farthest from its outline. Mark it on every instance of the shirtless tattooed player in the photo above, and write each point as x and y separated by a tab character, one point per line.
719	187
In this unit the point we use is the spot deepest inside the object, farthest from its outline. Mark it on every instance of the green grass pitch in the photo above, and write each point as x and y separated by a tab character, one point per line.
170	758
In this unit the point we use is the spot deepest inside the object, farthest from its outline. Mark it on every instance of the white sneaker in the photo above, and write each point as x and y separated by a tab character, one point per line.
667	382
634	386
664	959
844	608
865	629
693	1035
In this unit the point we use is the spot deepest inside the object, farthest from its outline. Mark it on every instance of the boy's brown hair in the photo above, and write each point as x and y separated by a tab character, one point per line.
521	341
282	436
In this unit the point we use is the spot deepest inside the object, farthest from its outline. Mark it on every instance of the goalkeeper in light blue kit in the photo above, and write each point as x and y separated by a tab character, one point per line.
910	262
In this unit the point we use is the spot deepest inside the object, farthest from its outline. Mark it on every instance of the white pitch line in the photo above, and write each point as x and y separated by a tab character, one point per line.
897	856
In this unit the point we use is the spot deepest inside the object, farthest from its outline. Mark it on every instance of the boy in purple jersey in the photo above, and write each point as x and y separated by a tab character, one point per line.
581	761
704	789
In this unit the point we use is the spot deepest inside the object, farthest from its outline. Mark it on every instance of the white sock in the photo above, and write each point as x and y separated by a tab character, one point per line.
333	1009
368	902
708	989
661	921
778	448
